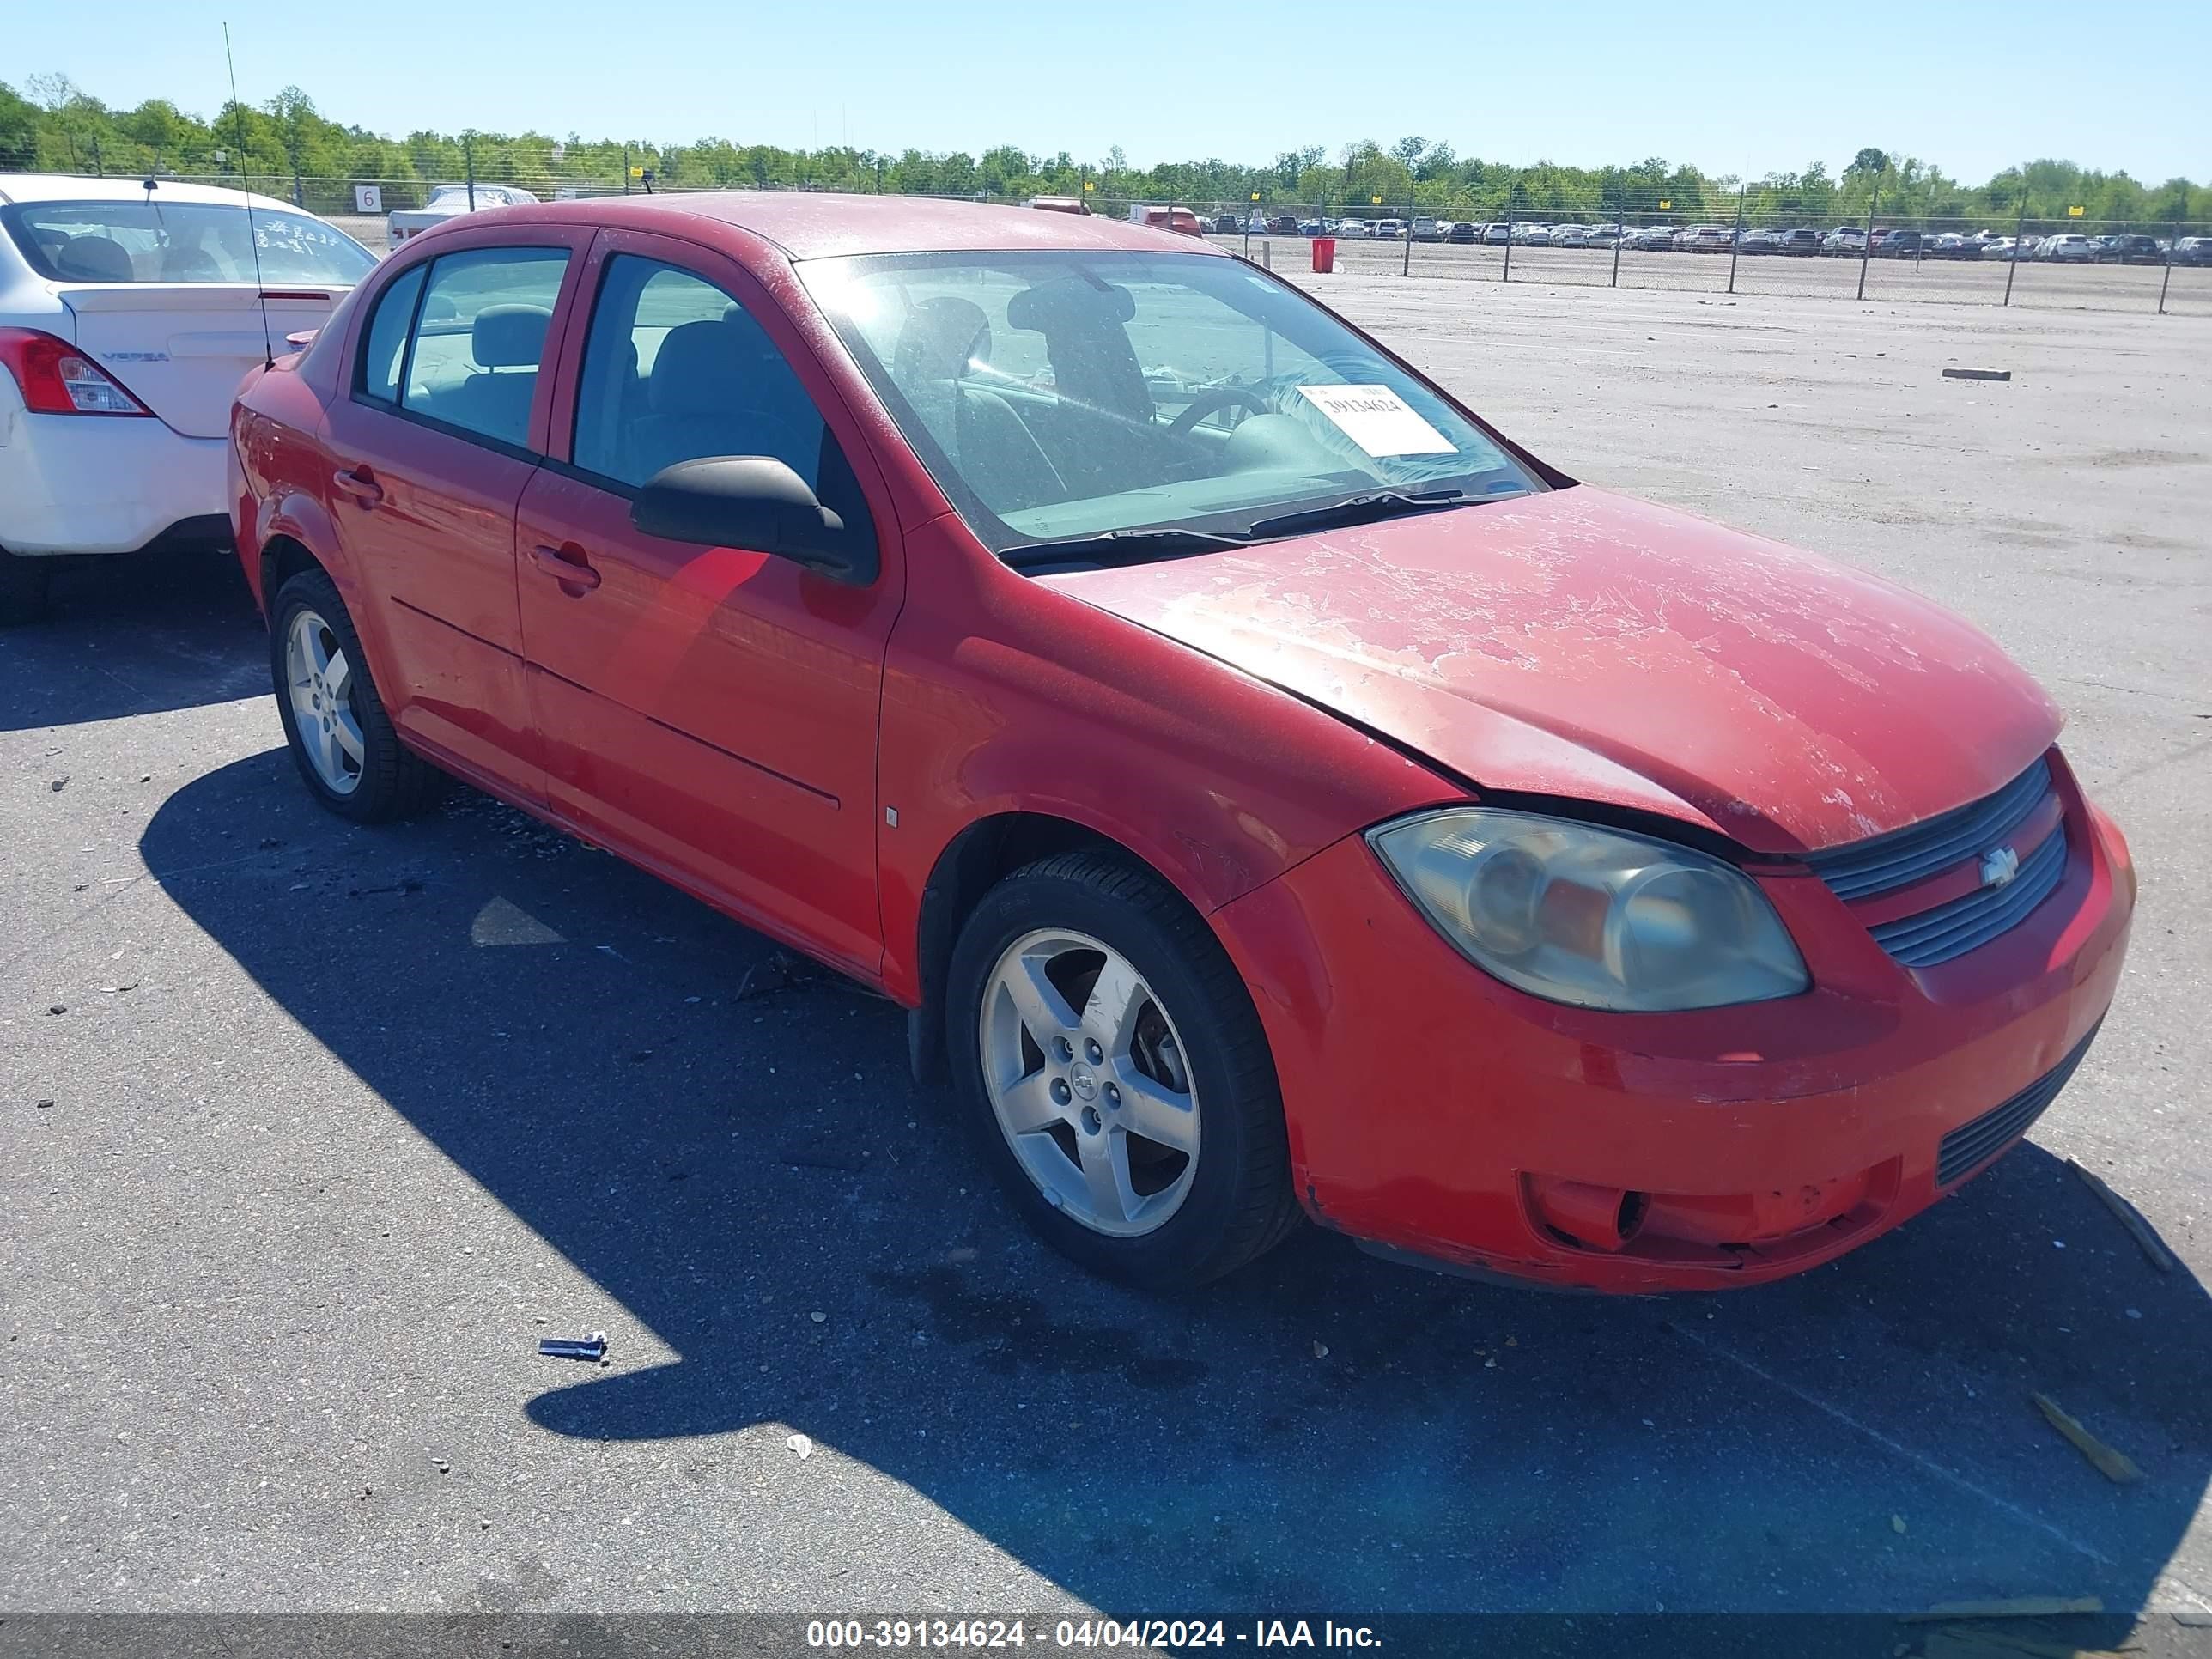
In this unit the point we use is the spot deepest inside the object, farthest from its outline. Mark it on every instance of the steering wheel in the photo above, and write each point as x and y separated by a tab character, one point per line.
1219	397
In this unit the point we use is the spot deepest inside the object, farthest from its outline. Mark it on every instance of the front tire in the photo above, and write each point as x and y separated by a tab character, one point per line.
1107	1056
334	724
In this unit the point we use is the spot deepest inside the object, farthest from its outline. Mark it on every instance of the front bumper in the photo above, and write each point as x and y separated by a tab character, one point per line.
1434	1110
78	483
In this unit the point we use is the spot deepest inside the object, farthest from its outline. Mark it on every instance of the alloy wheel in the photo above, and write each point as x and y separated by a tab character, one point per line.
1090	1081
321	682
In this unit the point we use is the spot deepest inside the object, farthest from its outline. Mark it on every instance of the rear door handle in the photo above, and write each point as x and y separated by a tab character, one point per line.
568	566
358	482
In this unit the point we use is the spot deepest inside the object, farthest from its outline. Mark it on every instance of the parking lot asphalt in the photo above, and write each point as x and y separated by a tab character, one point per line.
309	1133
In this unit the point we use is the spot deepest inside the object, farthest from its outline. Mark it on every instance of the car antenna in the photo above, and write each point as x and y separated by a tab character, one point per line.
268	347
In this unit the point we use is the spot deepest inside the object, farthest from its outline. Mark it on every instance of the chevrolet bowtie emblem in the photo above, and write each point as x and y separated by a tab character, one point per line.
1999	865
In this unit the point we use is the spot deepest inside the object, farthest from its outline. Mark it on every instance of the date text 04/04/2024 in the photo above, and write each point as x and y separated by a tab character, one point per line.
1171	1634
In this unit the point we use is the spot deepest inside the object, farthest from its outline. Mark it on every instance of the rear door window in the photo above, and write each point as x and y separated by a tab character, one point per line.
474	353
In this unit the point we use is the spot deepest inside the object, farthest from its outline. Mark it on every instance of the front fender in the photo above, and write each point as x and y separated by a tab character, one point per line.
1001	695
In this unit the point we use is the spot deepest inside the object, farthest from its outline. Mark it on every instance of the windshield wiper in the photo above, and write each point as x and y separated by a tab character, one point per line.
1362	509
1135	546
1119	547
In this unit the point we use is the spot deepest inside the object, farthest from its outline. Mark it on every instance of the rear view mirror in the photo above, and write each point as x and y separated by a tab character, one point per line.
752	501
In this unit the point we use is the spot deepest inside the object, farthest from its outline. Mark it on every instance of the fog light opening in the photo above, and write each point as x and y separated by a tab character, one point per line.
1588	1217
1629	1218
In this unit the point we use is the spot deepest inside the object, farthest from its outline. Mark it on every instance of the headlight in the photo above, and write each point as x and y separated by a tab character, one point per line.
1598	918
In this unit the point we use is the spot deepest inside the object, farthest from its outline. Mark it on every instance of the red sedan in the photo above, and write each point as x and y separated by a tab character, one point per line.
1273	791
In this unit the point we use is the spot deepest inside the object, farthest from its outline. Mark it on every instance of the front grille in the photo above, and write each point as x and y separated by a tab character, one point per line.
1870	869
1866	869
1970	1145
1952	930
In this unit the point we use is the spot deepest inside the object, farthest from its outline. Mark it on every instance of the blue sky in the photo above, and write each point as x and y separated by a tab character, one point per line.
1733	89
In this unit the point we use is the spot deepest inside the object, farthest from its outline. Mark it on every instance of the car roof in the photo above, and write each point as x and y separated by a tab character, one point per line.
818	225
67	187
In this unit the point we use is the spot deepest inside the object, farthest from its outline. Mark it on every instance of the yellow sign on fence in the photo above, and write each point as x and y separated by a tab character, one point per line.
1665	203
2074	213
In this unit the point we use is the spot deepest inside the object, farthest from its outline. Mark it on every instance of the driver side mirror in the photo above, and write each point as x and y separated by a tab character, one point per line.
756	502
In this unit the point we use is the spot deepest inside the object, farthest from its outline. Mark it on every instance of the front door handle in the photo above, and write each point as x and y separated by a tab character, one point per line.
568	566
359	482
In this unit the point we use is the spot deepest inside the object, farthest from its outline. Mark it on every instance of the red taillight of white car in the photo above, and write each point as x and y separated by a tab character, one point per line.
57	379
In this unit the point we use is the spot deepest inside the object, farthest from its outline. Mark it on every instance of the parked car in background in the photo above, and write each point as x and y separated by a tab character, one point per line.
2130	249
2064	249
1314	227
1497	234
2192	251
2006	248
1844	239
1705	239
1427	230
1074	204
1902	244
1654	239
788	623
1952	245
450	202
1754	239
1799	240
1282	224
1532	236
1157	215
1571	235
128	316
1228	224
1389	230
1461	231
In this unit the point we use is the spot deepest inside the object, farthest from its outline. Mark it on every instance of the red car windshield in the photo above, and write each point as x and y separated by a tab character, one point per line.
1058	396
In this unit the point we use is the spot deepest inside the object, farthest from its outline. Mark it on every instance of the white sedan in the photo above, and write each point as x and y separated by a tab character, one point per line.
128	316
451	202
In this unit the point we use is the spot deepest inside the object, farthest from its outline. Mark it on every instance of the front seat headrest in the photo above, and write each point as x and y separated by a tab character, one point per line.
706	367
942	339
1041	308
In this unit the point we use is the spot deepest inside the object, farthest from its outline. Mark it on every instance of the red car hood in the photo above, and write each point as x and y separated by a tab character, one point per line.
1582	644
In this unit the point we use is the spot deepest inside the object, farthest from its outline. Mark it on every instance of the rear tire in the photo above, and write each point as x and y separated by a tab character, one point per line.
1178	1103
24	583
343	743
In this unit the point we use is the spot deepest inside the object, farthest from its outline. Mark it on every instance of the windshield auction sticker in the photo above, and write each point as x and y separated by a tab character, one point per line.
1378	420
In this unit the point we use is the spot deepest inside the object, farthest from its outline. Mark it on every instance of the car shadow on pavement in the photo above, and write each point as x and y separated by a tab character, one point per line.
734	1152
134	635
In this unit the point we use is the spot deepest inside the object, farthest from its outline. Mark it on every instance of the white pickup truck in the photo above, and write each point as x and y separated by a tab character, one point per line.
450	202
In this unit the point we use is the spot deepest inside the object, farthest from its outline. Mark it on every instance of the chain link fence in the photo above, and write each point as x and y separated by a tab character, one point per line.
2042	255
2060	261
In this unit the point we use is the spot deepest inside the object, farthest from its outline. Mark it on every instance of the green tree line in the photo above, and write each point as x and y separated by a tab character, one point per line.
288	148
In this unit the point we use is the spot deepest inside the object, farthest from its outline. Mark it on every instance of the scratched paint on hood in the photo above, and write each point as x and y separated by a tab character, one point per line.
1584	644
